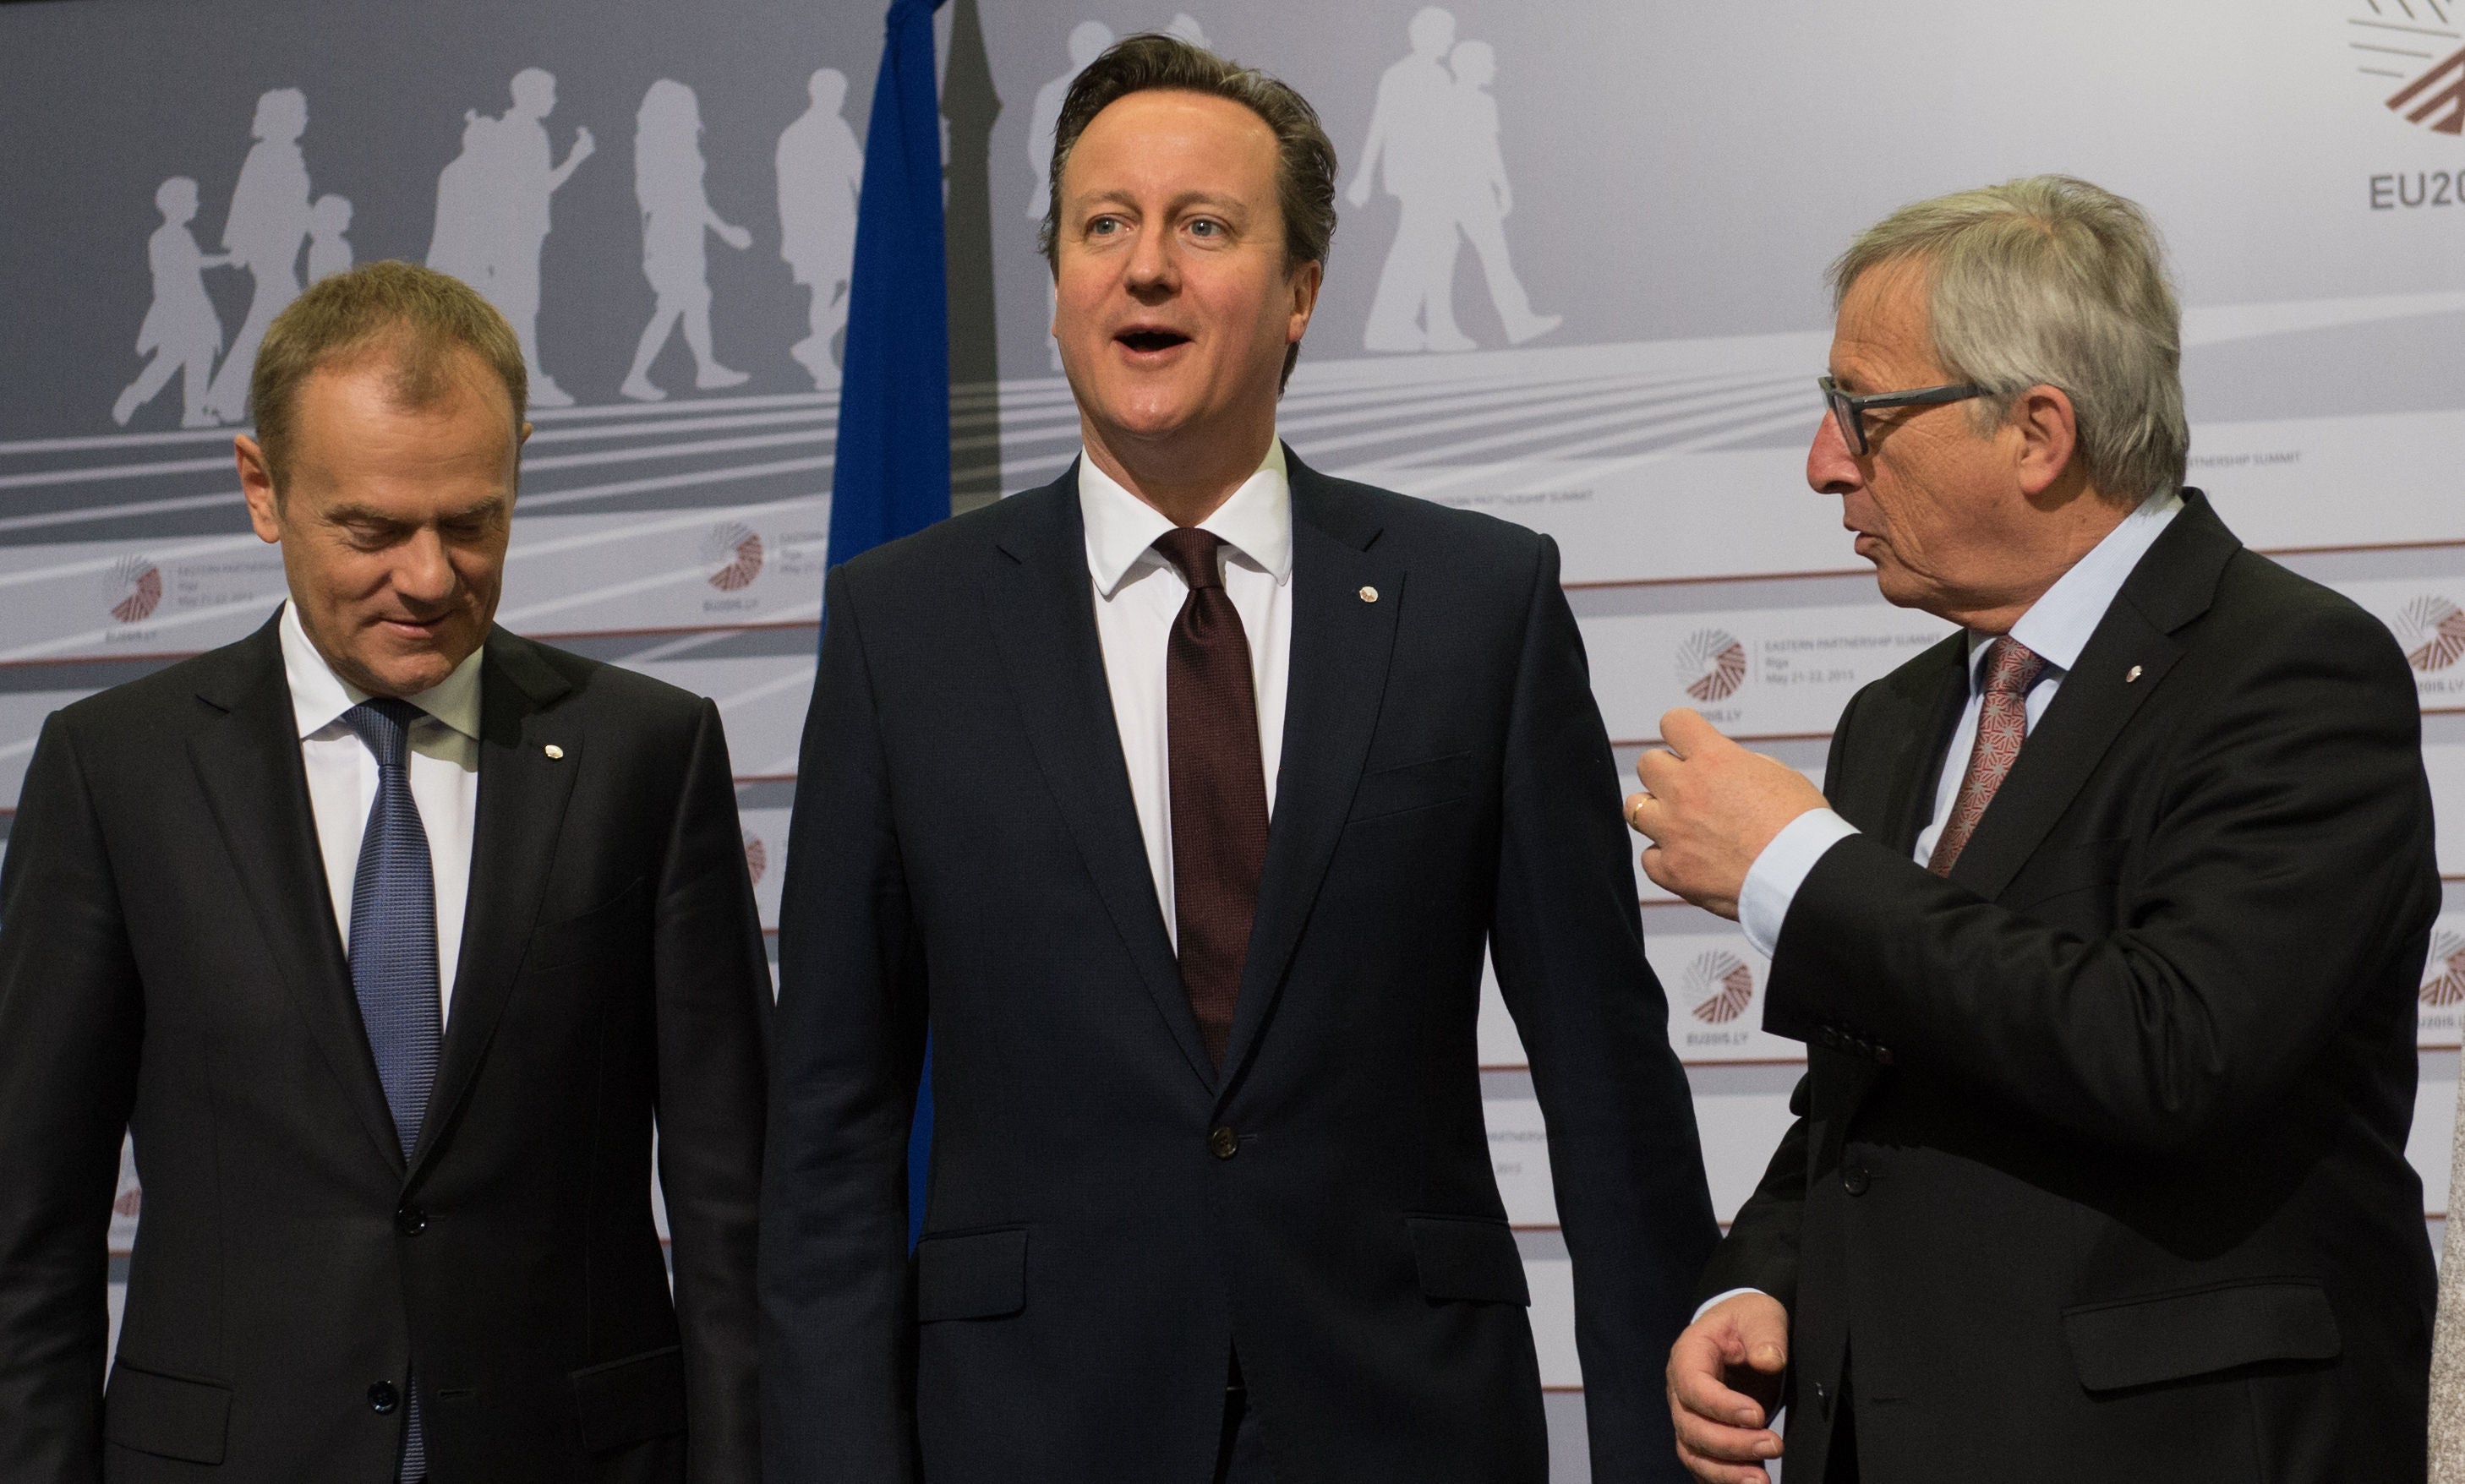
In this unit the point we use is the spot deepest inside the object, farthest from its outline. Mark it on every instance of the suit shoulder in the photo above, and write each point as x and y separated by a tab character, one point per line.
2266	610
143	704
936	550
601	685
1425	526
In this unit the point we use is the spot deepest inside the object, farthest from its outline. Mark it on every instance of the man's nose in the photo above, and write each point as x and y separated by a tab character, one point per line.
1153	267
1828	466
425	573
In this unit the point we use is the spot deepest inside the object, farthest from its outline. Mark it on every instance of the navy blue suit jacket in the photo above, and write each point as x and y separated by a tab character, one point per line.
1109	1216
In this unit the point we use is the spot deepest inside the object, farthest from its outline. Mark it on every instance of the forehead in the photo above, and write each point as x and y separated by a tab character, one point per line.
353	419
1882	330
1172	140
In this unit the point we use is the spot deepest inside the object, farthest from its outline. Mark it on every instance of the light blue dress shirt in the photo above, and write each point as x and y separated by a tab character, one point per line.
2055	627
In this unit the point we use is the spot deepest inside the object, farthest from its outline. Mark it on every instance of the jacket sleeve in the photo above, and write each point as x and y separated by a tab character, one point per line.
2287	863
837	1305
713	1020
1567	940
70	1021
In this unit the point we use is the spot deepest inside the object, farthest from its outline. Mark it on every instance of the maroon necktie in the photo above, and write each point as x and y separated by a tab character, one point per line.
1219	786
2002	725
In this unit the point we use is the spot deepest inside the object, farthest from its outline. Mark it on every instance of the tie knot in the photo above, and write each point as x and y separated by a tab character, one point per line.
1192	552
2012	667
384	723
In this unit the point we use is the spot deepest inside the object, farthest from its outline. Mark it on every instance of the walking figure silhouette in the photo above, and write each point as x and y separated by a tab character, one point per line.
820	168
668	169
181	329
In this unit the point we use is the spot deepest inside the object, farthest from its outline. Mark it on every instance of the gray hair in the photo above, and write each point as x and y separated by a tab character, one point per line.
2048	281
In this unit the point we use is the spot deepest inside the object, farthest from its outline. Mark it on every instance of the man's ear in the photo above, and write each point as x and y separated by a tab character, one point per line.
256	487
2049	433
1305	280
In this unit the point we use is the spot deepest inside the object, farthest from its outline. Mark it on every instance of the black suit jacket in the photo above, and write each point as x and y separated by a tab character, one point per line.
1108	1215
169	965
2100	1171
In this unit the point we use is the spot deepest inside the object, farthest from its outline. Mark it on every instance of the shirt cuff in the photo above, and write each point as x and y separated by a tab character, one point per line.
1773	879
1717	1299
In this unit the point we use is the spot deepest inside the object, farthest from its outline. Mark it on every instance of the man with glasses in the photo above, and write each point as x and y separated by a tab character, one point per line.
2104	947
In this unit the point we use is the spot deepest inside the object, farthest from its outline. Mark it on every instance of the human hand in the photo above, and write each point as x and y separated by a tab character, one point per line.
736	237
1709	808
1358	194
584	146
1725	1375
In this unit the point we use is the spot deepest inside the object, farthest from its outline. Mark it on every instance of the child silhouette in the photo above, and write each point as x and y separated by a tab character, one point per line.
181	329
329	250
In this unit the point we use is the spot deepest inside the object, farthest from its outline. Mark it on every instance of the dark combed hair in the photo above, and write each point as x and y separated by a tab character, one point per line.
1149	62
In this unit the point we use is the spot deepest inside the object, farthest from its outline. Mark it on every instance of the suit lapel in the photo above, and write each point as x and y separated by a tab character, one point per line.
1341	648
1041	606
2126	658
1892	797
523	796
248	764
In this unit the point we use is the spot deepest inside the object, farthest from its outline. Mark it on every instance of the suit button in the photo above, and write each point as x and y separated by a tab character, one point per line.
1823	1398
1854	1179
1884	1055
383	1398
1223	1142
409	1220
1830	1038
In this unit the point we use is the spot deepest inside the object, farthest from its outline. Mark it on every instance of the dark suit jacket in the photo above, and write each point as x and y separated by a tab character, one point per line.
169	965
2100	1171
1108	1216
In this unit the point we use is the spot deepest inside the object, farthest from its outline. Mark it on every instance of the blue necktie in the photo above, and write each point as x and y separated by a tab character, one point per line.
393	956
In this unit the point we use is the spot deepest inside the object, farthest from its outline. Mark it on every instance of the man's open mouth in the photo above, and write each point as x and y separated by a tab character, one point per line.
1148	340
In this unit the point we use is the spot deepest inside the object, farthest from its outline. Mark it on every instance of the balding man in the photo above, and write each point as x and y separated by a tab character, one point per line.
2106	947
389	937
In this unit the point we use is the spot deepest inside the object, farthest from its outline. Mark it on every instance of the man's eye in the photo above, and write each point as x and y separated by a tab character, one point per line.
1104	226
1206	227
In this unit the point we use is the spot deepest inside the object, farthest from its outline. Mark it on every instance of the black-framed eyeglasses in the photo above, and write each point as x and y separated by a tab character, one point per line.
1849	410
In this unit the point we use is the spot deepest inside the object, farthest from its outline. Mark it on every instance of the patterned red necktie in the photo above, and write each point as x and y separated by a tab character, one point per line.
1219	785
2002	725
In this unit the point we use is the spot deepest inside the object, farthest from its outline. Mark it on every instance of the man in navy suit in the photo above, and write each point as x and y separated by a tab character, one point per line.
1177	799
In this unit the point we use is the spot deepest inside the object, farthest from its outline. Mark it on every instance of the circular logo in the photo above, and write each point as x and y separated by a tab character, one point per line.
756	856
136	588
126	1202
1723	984
2443	978
737	551
2432	631
1712	664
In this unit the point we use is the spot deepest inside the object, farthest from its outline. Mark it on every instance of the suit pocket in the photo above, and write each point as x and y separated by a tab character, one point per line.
2079	868
1468	1257
575	938
168	1416
632	1400
971	1275
1413	786
2174	1337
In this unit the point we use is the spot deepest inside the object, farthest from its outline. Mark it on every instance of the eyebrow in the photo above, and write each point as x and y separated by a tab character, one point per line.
1230	205
344	514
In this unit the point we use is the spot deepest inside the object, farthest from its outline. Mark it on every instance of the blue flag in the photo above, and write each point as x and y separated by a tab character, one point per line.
892	477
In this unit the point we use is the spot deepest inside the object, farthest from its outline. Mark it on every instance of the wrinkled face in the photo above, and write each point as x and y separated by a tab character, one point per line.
393	521
1936	505
1172	305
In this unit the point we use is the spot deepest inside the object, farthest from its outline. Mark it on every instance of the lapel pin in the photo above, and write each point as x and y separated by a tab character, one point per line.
554	751
2131	675
1368	594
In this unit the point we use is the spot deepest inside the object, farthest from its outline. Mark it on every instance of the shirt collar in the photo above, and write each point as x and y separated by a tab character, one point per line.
1256	522
2057	626
319	697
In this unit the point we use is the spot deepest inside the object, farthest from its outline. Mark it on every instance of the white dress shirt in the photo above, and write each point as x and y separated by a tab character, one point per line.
1138	596
342	782
2055	628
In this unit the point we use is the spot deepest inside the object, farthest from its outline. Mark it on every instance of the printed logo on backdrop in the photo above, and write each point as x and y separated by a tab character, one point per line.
1712	664
757	858
2443	989
737	553
135	589
2432	633
1726	987
2412	55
